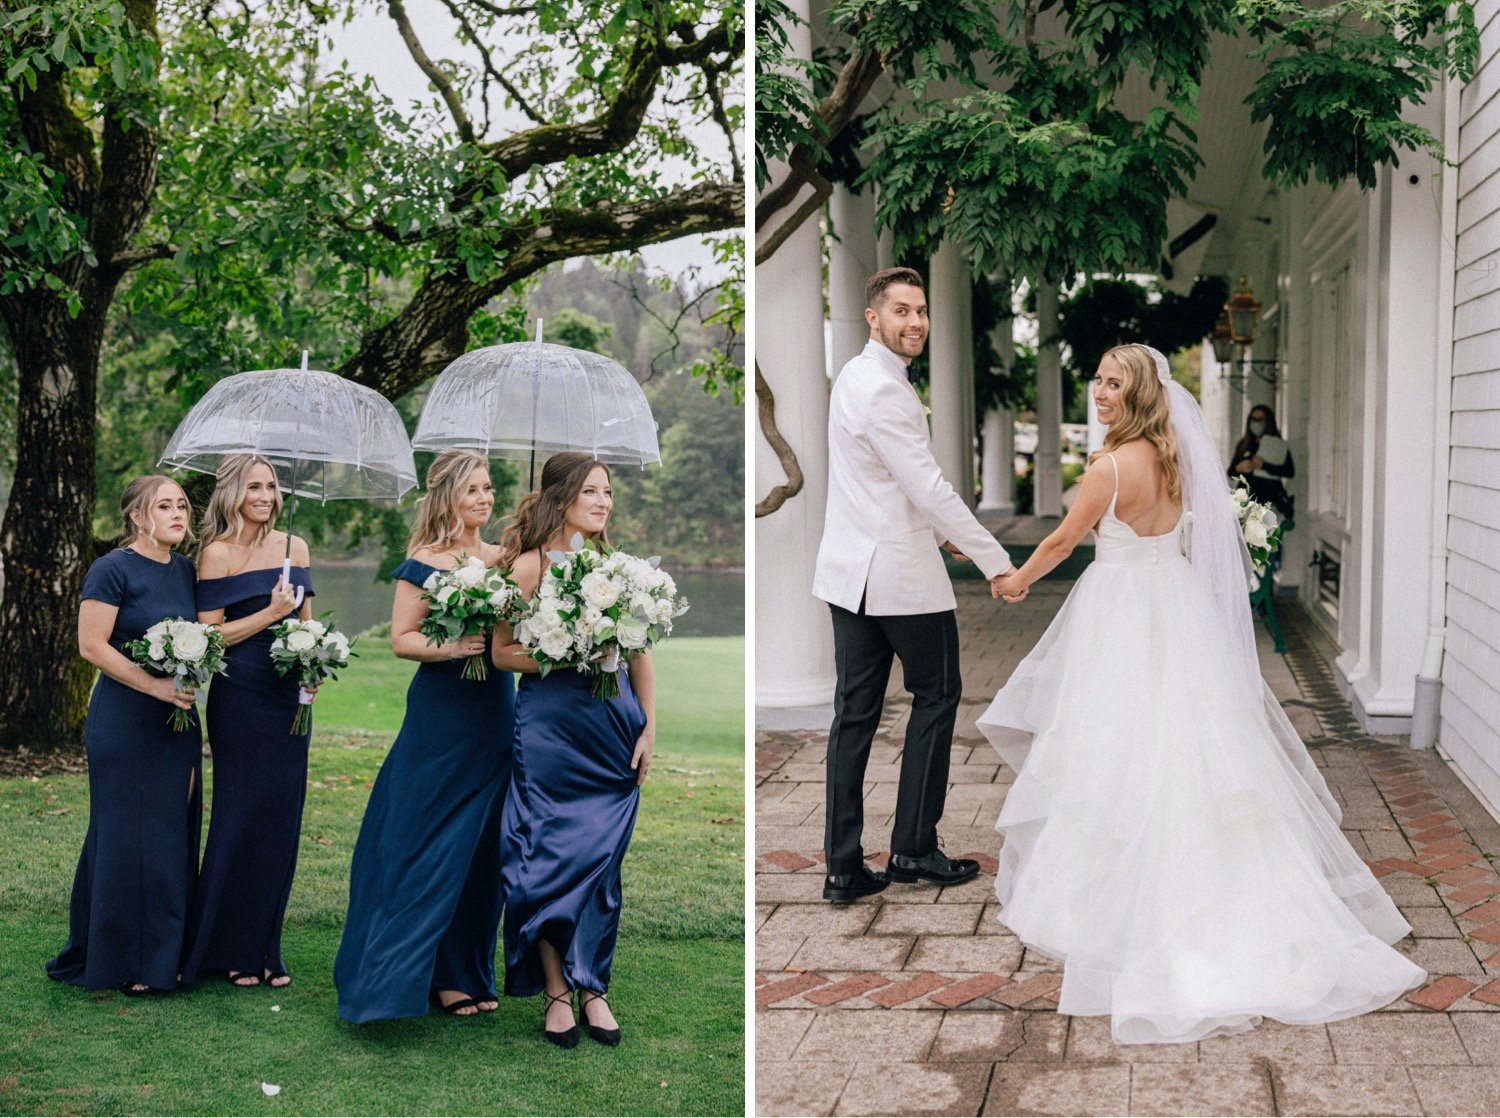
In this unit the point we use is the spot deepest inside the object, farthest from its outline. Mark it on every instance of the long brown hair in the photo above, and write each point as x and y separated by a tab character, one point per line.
222	518
136	501
438	521
539	515
1145	412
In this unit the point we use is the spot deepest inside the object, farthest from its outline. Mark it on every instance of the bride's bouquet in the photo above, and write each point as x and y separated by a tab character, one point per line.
469	599
592	604
1261	527
315	651
187	652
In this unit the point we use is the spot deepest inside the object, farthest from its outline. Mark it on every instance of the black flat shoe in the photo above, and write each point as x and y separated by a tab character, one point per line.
936	867
137	990
842	888
607	1037
568	1038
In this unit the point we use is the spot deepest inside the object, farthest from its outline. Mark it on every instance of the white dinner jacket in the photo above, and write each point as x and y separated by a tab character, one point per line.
889	506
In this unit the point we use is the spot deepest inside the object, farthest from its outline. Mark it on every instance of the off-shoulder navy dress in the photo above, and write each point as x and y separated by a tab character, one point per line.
568	819
129	911
424	890
260	784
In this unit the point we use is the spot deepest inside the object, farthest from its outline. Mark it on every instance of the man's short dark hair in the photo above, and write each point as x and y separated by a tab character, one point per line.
880	282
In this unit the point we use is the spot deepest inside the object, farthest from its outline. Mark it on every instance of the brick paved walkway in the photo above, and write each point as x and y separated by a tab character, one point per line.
919	1001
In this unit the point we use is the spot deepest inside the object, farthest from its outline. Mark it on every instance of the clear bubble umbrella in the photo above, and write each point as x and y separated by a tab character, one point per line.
528	399
326	437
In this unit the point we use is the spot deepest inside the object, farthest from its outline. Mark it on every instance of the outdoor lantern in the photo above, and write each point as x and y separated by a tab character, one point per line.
1222	340
1243	312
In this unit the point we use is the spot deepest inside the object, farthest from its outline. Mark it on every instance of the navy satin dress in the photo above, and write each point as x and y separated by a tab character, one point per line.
129	910
568	820
424	890
260	785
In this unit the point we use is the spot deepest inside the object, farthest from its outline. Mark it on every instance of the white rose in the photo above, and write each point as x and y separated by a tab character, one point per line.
190	645
630	633
446	594
661	612
499	599
178	628
598	590
555	644
156	632
156	650
339	644
470	574
549	589
300	640
431	581
1241	496
316	628
1255	534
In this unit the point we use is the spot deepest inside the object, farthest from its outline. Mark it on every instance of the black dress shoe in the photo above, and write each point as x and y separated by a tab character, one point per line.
841	888
936	866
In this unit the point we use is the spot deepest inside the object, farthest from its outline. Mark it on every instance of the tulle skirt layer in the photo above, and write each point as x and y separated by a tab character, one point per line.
1171	841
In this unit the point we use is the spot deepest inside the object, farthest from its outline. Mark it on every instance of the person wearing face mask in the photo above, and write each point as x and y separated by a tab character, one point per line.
129	910
1264	460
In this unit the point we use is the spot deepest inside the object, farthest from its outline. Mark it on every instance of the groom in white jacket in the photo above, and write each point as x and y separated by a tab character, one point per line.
881	573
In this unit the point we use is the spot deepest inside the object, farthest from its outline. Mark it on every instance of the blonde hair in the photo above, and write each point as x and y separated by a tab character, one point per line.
222	518
438	521
539	515
1144	413
136	501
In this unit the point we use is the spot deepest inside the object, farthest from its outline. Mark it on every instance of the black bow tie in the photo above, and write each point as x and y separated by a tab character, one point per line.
911	374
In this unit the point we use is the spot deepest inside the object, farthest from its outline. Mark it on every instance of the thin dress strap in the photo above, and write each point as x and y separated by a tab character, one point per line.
1111	456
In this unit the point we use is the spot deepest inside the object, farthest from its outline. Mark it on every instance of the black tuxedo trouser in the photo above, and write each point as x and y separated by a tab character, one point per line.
927	645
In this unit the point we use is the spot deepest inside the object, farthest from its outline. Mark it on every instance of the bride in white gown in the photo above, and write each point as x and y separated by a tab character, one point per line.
1168	837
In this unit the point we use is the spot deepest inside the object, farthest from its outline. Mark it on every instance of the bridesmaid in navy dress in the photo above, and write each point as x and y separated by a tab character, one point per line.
129	909
579	764
424	889
259	766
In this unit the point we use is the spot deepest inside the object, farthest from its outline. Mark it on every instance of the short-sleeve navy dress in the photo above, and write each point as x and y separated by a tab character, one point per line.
424	889
260	785
129	911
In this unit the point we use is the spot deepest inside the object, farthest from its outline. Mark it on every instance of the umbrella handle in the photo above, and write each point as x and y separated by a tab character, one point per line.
286	578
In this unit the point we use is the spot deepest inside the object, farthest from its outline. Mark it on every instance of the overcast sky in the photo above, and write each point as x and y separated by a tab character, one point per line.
372	45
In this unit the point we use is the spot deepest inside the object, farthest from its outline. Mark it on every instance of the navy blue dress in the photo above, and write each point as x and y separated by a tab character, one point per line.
424	890
260	784
129	911
568	820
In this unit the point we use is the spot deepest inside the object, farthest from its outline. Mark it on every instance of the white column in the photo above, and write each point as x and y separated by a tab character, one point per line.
1047	480
951	351
793	634
851	262
997	471
1396	520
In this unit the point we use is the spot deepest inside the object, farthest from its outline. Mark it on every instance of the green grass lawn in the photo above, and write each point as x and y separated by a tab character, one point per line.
678	984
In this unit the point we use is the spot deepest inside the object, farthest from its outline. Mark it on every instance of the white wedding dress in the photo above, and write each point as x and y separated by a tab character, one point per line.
1168	837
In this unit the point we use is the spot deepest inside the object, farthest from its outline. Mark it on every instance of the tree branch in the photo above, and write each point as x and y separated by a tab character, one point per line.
822	189
496	10
489	65
130	258
434	72
721	118
765	408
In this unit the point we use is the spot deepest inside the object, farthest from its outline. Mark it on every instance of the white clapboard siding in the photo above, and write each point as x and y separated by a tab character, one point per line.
1470	708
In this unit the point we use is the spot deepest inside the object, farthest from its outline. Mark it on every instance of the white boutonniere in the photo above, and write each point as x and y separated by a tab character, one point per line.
926	412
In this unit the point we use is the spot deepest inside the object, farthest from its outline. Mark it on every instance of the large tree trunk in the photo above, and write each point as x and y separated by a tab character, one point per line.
48	528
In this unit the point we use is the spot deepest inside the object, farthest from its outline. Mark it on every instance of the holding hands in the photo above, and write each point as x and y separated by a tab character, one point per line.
1009	586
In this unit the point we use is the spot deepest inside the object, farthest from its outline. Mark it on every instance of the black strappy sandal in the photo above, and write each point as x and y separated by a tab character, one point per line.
237	978
568	1038
607	1037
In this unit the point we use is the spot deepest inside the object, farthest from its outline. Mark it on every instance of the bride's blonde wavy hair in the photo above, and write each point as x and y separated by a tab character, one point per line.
438	521
222	518
1145	413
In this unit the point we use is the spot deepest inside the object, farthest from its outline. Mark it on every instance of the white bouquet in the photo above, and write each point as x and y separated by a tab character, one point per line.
315	650
592	604
469	599
187	652
1261	528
